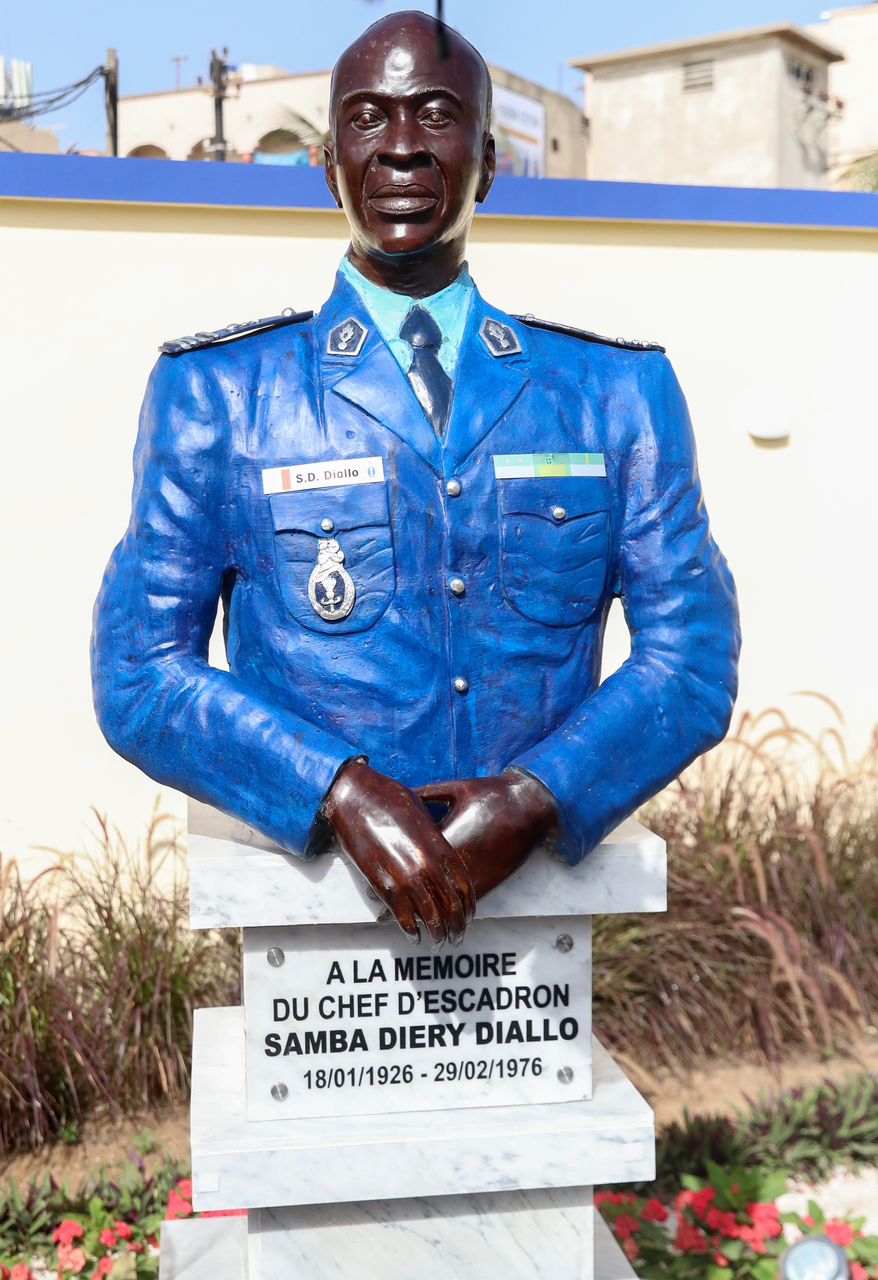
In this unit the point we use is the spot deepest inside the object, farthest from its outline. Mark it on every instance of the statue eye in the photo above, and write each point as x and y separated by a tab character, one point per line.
366	119
435	117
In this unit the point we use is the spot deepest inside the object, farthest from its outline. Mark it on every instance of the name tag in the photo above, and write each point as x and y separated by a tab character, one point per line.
520	466
322	475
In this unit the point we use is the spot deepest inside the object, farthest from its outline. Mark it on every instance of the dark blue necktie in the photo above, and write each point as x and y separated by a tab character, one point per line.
429	380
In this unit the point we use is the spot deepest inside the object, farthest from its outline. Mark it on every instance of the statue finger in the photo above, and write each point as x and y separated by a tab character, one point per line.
457	872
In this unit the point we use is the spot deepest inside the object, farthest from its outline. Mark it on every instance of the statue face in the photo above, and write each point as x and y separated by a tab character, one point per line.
411	155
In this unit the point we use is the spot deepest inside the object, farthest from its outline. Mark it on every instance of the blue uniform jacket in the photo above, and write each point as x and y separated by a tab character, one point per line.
265	740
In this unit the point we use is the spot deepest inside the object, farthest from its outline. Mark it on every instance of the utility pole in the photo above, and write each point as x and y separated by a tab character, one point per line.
219	80
178	66
111	100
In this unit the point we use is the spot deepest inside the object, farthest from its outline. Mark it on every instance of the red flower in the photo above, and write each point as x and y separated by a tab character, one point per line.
840	1233
123	1230
135	1248
70	1259
104	1267
626	1226
654	1211
721	1260
754	1237
184	1186
630	1249
702	1200
68	1231
108	1238
4	1272
766	1217
858	1272
725	1223
808	1220
21	1271
689	1239
683	1200
178	1207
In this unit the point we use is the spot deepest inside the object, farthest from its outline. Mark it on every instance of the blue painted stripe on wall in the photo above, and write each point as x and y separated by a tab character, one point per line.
171	182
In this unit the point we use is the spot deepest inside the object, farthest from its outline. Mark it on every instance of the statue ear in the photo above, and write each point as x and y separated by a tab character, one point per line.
329	168
489	168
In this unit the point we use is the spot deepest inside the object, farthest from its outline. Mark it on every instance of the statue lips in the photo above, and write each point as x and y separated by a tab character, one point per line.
403	199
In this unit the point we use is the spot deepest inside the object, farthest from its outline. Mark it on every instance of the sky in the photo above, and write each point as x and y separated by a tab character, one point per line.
535	38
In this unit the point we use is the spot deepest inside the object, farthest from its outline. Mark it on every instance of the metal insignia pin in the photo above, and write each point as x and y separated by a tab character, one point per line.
331	588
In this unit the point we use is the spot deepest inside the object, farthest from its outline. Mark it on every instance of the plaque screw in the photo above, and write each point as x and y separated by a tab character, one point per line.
280	1091
275	957
565	1075
564	942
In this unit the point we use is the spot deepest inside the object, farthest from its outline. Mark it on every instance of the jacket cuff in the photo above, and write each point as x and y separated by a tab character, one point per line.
575	839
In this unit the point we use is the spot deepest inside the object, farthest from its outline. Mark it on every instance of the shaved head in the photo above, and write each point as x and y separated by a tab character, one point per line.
411	153
386	39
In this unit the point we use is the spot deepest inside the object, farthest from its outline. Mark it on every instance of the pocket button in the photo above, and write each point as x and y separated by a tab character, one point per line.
559	513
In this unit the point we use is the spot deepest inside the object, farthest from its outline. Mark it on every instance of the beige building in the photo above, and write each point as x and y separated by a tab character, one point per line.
15	135
853	134
747	108
272	116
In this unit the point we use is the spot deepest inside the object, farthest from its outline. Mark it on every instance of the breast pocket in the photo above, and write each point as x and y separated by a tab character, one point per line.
357	520
554	544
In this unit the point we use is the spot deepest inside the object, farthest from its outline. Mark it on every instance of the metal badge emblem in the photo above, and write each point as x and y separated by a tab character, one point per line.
499	338
331	588
347	338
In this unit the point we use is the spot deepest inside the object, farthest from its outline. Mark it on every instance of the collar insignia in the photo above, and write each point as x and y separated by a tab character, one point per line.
347	338
499	338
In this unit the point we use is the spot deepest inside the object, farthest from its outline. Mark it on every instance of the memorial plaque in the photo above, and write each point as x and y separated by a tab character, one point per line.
355	1020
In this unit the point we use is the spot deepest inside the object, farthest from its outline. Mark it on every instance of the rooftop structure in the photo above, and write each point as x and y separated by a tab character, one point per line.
741	108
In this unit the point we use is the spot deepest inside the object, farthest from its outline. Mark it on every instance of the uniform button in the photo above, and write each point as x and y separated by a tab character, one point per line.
461	685
457	586
558	513
327	525
453	488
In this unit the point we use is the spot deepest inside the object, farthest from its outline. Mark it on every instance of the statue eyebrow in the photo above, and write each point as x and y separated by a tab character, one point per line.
376	95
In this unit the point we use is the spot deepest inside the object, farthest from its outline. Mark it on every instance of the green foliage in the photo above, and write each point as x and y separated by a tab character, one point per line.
30	1217
99	975
771	938
813	1130
803	1133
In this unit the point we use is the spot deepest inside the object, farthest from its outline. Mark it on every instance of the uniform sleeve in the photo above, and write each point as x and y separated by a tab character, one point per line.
158	701
672	699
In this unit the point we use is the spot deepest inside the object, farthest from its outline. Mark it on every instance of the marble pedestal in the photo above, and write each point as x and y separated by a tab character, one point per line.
464	1164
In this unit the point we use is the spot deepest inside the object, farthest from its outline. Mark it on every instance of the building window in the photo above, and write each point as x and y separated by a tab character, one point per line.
556	145
802	73
697	76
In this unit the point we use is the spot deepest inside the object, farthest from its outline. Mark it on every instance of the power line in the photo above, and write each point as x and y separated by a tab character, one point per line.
48	100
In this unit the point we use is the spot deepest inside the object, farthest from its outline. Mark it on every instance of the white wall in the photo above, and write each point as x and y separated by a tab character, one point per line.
764	327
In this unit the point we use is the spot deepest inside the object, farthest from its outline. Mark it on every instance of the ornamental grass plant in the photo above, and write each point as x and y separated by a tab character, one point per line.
99	976
770	943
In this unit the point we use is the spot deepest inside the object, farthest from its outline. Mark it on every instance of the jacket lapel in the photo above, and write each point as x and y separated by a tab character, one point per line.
370	379
485	385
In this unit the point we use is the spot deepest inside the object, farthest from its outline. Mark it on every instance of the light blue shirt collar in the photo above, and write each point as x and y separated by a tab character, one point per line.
449	308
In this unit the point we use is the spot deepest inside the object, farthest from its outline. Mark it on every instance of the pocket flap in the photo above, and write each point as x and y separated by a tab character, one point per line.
544	495
347	506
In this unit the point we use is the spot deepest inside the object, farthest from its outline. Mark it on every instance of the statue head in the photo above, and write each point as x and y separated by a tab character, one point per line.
411	153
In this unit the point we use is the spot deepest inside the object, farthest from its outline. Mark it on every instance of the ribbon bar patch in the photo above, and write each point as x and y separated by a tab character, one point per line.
519	466
322	475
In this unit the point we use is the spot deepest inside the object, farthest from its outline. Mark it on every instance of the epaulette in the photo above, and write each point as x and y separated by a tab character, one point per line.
199	340
587	336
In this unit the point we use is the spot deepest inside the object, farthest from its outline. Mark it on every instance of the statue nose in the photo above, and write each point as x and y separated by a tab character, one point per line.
402	141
